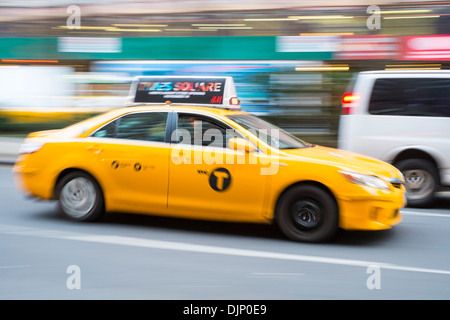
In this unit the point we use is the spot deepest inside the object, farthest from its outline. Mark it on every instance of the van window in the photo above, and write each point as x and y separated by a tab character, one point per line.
425	97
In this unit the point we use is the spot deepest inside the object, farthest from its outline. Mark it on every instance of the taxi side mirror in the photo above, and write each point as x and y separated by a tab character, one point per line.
241	145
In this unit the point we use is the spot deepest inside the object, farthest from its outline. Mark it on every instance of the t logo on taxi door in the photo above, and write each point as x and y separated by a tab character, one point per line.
220	179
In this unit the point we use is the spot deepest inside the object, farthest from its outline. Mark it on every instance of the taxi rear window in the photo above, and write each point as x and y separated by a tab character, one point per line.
180	90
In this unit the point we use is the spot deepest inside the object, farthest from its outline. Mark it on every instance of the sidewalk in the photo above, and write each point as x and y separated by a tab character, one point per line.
9	150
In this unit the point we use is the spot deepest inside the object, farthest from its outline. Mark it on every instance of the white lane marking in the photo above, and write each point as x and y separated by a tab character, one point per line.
277	275
12	267
180	246
424	214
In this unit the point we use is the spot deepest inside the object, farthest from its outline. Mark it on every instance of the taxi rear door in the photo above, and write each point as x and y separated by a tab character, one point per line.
132	156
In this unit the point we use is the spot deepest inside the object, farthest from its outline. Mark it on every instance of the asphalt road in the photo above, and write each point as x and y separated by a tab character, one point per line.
124	256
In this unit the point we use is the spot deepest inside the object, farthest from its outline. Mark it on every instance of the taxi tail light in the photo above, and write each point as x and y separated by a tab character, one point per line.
30	147
348	100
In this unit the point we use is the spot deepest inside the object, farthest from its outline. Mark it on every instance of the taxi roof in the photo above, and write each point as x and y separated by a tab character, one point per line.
183	108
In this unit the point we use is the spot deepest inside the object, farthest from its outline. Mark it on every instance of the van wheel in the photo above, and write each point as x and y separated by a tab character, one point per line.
422	179
80	197
307	213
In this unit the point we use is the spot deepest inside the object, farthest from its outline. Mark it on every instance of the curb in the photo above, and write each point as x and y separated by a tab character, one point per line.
7	162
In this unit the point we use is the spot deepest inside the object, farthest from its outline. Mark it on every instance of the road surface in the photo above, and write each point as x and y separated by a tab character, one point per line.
125	256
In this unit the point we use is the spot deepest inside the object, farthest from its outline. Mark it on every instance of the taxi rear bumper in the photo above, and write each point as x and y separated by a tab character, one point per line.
32	182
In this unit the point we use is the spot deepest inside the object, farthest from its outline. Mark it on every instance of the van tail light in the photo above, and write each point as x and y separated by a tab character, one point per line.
347	102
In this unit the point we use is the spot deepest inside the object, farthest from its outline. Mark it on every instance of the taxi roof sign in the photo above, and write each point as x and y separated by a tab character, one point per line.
211	91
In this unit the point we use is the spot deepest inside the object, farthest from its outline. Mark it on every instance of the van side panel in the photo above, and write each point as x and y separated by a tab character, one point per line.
384	136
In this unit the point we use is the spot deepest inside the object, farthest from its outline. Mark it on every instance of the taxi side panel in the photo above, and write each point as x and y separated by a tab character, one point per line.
39	171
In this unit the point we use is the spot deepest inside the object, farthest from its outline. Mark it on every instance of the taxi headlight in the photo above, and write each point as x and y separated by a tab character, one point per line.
366	180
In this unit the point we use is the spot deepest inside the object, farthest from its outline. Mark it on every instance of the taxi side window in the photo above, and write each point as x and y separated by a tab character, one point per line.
197	130
108	131
147	126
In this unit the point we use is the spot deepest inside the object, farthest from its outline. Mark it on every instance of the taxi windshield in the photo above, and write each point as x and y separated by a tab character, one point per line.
269	133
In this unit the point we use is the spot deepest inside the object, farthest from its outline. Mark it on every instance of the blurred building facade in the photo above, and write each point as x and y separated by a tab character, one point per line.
291	61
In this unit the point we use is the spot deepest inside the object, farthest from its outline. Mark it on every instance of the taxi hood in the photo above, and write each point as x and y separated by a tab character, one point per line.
347	161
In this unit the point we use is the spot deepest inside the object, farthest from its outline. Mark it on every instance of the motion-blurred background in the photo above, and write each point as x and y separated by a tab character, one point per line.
62	61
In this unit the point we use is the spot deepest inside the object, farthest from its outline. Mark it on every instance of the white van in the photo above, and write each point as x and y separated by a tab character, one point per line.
402	117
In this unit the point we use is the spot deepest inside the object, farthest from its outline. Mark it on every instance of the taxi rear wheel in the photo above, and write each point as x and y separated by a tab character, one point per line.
307	213
80	197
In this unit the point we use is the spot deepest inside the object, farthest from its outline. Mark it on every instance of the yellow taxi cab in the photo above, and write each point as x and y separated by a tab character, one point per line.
183	148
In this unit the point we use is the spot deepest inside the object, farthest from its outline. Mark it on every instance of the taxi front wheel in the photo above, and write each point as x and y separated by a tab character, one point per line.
80	197
307	213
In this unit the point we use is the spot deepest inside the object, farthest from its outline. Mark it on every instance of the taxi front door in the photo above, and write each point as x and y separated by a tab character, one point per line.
208	180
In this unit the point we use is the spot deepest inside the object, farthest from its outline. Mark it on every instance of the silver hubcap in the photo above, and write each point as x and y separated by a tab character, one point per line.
419	183
78	197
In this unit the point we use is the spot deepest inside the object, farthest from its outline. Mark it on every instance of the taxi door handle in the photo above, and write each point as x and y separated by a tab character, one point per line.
95	149
185	158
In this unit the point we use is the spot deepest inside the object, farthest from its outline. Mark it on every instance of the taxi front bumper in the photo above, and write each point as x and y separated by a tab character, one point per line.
371	213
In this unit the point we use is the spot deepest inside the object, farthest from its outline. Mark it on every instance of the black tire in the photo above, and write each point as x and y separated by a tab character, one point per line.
422	180
80	197
307	213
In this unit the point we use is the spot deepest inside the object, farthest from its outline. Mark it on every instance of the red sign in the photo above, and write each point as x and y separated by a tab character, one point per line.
436	47
367	47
